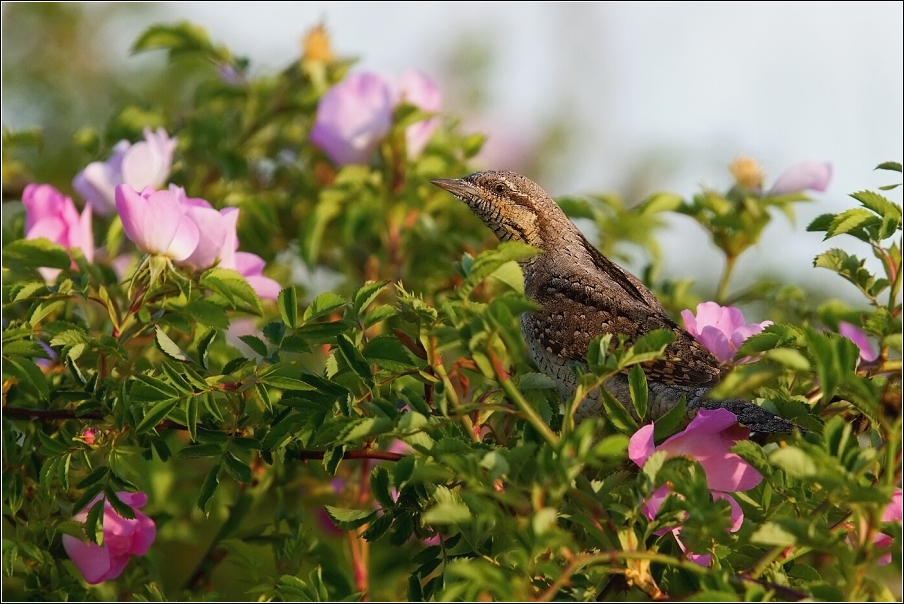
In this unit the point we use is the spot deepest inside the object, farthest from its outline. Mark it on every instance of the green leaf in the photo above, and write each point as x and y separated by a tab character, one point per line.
387	352
665	425
851	220
288	306
285	375
86	497
281	431
879	204
616	413
204	450
347	519
155	415
232	286
92	522
379	486
239	470
204	347
29	375
33	253
378	527
255	344
487	262
331	459
168	347
821	223
355	359
637	384
323	304
191	417
208	488
367	294
207	313
536	381
892	166
118	505
178	39
97	475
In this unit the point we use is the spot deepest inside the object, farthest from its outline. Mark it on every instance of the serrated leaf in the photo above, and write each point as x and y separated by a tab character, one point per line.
255	344
355	359
118	505
285	375
387	352
86	497
204	347
331	459
889	165
487	262
207	313
281	431
178	38
203	450
879	204
236	468
92	522
97	475
665	425
851	220
536	381
33	253
168	347
288	306
367	294
637	385
821	223
616	413
348	519
208	488
29	375
323	304
233	287
378	527
379	486
155	415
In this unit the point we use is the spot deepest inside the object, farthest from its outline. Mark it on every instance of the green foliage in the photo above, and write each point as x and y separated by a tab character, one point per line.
391	438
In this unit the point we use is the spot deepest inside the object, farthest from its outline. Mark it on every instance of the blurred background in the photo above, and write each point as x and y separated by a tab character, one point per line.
630	98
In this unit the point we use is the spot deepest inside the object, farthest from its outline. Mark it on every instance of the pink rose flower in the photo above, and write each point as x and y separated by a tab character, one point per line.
143	164
156	221
806	175
894	512
868	354
352	118
51	215
415	88
355	115
720	328
708	440
122	538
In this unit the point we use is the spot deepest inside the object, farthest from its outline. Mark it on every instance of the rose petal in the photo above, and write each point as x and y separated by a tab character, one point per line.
92	560
812	175
867	352
151	221
641	446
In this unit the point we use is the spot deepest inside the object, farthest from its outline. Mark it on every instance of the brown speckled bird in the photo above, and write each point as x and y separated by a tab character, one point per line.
583	294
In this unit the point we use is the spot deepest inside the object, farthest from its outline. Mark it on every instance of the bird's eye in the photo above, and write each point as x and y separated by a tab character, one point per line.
500	188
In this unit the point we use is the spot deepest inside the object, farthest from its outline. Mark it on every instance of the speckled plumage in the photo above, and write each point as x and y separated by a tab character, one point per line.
583	294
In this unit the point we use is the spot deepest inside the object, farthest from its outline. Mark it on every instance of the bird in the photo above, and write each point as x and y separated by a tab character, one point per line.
582	294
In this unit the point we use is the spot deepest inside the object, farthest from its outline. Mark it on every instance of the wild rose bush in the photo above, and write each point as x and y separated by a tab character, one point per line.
171	347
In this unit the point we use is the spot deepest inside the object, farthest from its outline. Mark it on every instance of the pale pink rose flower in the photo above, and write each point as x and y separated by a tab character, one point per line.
144	164
720	328
122	538
708	439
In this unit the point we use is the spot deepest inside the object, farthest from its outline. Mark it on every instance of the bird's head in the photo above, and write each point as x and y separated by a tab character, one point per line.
513	206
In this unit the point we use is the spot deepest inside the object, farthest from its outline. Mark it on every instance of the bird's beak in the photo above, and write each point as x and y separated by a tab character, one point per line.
457	186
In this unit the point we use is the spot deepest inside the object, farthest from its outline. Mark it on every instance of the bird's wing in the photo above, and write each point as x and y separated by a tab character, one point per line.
574	312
